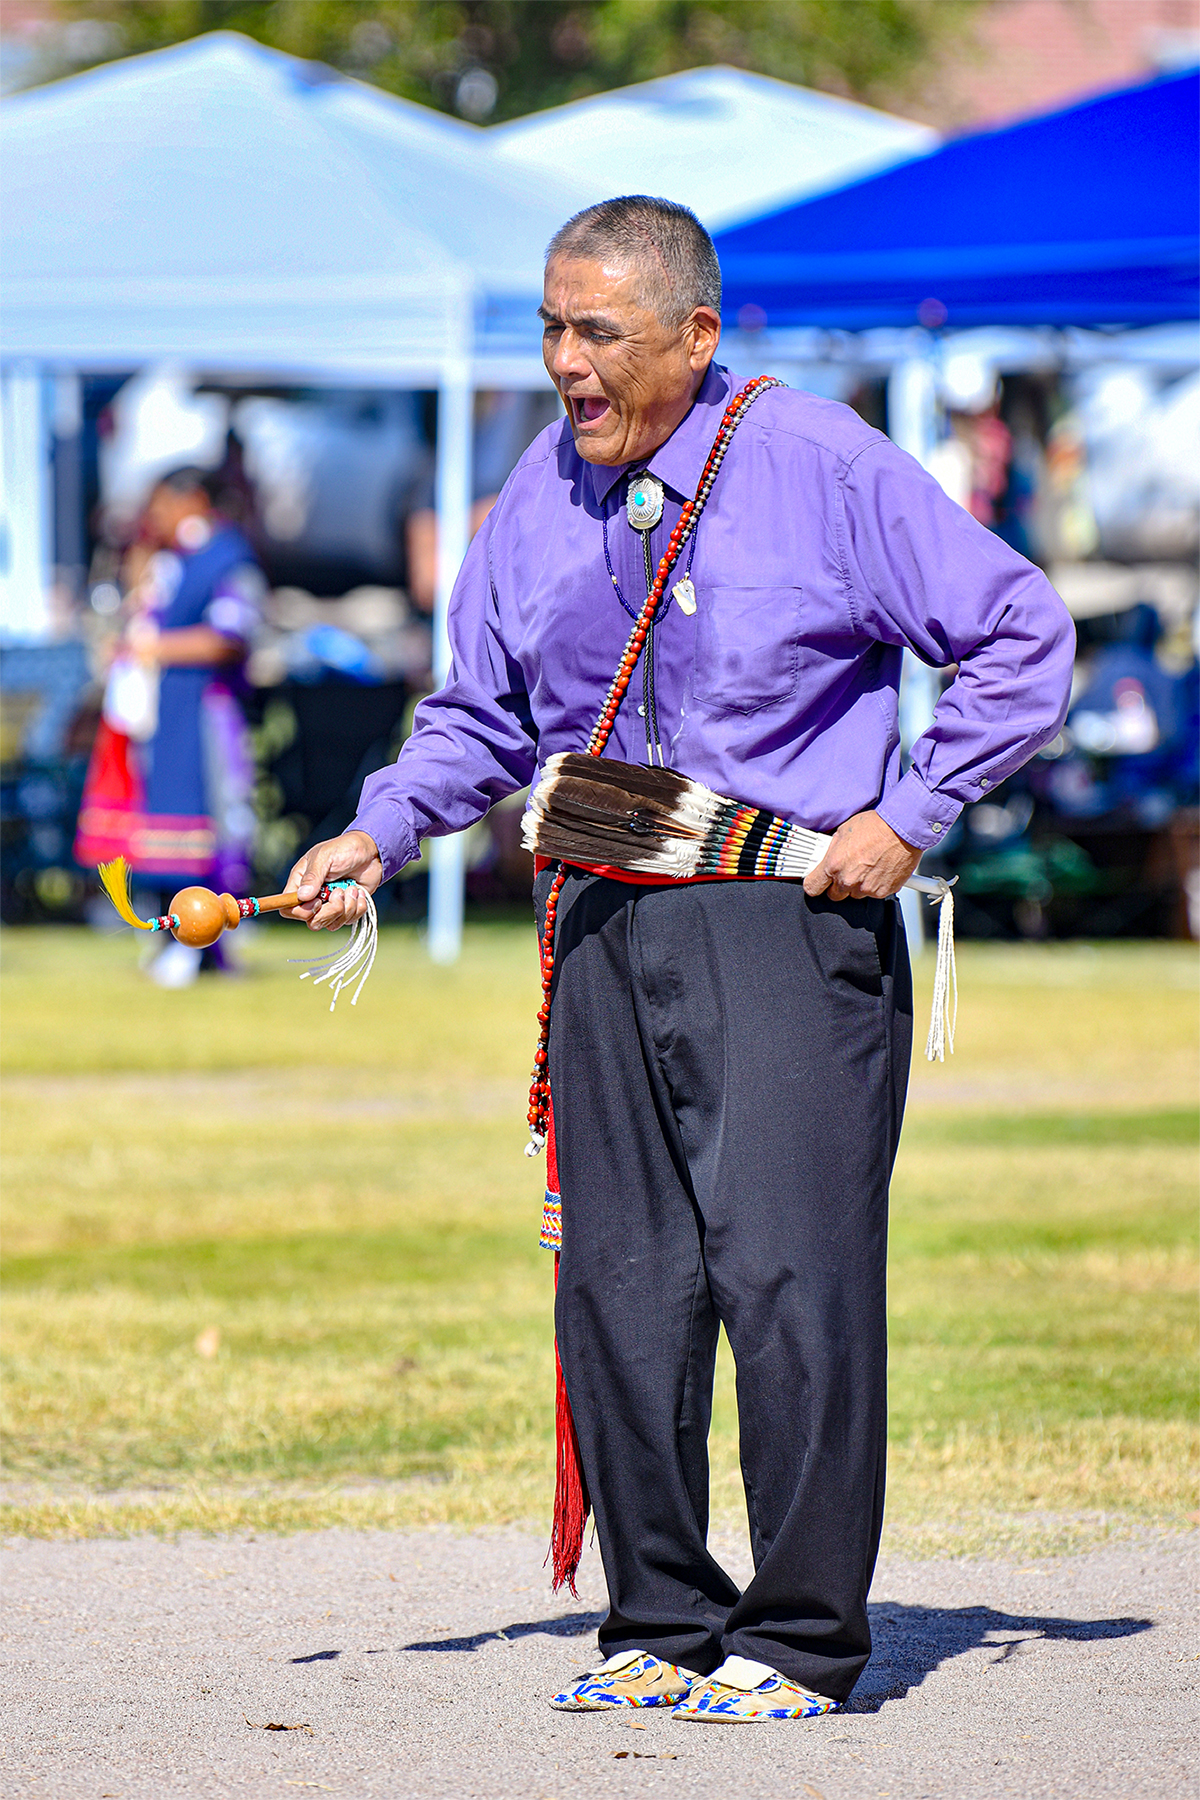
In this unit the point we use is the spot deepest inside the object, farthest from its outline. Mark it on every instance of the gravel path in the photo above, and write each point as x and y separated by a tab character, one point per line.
417	1665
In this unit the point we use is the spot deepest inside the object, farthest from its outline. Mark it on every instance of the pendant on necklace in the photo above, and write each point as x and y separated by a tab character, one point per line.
644	502
685	593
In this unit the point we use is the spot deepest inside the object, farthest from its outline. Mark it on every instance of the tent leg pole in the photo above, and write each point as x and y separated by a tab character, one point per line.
447	865
447	870
912	424
912	406
25	549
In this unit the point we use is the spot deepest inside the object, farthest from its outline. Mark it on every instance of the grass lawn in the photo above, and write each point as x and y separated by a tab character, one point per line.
268	1268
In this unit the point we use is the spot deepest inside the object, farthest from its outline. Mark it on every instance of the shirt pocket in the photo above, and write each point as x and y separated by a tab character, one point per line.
747	647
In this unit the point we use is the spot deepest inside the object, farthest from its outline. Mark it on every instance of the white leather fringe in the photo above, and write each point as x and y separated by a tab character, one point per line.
342	967
944	1016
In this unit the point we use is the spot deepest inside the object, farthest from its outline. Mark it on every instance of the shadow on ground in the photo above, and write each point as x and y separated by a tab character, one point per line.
910	1641
566	1625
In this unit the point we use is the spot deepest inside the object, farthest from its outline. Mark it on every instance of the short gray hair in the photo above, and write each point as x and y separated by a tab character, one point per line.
663	241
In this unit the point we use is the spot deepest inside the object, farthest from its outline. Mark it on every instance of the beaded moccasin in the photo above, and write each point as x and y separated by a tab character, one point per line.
742	1692
635	1678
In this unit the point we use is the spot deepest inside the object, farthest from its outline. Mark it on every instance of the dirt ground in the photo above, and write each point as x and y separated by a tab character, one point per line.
419	1664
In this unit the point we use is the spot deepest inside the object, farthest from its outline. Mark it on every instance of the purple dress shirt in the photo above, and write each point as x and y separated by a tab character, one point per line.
822	553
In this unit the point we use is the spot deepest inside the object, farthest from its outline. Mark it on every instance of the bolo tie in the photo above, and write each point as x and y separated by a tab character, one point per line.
644	499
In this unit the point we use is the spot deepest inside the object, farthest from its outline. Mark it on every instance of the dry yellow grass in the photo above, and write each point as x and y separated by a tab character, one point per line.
337	1212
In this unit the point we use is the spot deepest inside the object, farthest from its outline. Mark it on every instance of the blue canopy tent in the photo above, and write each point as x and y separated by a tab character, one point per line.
1085	217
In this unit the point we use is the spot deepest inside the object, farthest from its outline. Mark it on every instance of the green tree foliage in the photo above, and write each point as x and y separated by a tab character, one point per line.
497	59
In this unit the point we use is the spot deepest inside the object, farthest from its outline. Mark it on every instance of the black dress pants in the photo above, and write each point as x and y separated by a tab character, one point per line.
728	1065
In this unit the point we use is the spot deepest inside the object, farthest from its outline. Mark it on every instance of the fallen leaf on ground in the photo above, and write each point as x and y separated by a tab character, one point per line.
815	1792
638	1725
271	1726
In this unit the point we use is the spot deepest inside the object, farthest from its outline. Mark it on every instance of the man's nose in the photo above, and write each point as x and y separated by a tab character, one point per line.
569	358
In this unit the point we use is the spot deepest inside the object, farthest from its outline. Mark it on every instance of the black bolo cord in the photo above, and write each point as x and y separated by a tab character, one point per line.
652	738
649	704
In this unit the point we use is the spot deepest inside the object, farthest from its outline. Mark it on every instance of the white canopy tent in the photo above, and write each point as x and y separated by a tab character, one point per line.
726	143
239	211
222	204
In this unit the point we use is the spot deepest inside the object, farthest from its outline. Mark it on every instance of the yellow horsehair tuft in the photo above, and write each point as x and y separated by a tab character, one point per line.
115	878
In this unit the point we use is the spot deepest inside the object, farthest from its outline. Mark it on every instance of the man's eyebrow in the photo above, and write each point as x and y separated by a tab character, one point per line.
585	322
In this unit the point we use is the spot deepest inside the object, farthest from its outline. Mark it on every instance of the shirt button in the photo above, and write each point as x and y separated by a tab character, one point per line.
935	828
984	782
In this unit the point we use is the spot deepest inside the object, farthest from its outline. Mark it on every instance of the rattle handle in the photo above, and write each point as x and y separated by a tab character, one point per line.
276	902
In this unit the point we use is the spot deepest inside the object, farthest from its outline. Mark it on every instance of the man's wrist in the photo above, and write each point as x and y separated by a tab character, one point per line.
920	817
394	839
372	851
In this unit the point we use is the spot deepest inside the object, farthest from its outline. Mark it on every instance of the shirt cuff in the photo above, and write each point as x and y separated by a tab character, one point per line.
394	836
916	814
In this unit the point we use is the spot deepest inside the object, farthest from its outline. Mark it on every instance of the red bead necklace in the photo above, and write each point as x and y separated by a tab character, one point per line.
539	1092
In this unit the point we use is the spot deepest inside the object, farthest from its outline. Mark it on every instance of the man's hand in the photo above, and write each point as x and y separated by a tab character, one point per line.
865	861
353	854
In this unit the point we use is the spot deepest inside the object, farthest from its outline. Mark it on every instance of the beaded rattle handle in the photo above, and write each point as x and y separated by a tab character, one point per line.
250	908
539	1092
197	912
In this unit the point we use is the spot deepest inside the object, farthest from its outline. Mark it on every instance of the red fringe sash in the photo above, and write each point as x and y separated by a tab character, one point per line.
571	1503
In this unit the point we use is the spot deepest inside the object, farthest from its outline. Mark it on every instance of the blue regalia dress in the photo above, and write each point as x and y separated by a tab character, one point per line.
197	819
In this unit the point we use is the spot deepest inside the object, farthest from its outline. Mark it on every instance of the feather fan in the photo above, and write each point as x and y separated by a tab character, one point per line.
657	822
607	814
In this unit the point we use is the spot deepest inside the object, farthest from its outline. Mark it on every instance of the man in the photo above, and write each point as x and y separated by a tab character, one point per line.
728	1058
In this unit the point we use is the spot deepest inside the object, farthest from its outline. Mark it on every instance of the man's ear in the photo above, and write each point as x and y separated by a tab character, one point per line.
702	334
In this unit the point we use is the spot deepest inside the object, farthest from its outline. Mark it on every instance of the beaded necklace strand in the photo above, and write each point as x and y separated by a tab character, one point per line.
539	1092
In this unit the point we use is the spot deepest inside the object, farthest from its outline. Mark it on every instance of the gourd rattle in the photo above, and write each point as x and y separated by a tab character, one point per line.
198	917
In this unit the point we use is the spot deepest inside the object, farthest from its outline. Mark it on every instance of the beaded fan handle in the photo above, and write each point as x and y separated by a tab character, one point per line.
735	412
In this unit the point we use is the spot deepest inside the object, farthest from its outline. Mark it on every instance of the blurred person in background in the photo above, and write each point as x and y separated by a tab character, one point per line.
171	777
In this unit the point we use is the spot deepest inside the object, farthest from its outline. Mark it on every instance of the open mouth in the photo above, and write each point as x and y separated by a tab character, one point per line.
588	408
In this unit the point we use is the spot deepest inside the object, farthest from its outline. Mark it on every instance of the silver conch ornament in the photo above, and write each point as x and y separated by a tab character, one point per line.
644	502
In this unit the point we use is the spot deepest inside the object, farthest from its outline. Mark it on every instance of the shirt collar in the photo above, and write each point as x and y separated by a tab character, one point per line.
679	462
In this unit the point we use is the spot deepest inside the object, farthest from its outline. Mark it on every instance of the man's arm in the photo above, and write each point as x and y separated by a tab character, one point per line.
472	743
921	572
